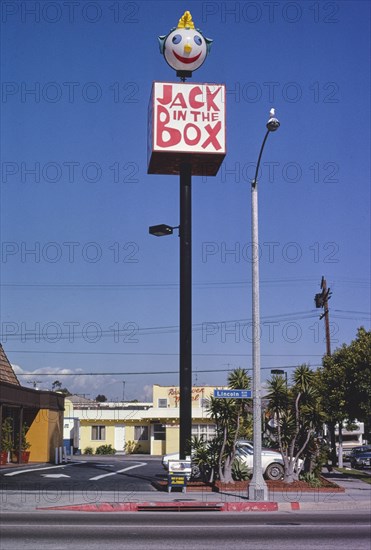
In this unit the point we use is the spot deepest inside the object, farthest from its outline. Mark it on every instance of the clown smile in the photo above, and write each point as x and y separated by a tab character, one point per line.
186	59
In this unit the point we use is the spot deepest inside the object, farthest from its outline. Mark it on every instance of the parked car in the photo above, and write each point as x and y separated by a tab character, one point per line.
272	463
360	449
360	457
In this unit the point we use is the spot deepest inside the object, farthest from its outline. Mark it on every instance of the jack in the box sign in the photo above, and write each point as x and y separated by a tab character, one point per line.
187	122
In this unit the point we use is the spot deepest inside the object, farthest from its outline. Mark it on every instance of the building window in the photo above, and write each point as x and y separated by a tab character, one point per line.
141	433
98	433
162	403
159	433
204	431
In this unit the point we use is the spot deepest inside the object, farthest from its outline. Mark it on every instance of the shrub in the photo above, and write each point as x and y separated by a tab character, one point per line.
239	471
105	450
131	447
24	444
311	479
7	435
88	451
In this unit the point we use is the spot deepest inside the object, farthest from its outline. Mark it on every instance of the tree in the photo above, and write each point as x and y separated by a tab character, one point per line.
297	414
345	384
228	416
57	387
101	398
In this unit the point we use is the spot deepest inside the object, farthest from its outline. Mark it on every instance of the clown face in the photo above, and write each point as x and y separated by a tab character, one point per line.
185	49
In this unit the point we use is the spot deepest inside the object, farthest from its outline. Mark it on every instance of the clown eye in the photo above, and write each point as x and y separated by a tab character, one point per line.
198	40
176	39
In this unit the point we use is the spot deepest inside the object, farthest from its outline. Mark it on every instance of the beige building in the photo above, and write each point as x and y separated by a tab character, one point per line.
149	428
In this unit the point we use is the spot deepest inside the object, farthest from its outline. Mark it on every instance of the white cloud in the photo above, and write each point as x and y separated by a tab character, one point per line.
75	382
147	393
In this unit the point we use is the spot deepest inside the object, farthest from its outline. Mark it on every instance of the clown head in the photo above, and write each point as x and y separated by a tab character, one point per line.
185	48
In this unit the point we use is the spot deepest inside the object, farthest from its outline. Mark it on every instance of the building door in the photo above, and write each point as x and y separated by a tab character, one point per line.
119	438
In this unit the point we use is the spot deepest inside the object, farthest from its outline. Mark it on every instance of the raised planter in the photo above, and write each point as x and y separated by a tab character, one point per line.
25	456
242	486
3	458
279	486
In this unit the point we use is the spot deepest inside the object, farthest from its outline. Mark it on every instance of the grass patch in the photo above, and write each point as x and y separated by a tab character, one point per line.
356	474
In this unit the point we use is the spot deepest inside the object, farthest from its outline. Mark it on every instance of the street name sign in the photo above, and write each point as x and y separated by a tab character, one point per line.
233	394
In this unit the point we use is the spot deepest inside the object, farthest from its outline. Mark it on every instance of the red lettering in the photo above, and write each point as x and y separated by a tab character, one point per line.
168	94
179	101
212	131
174	135
195	140
192	98
210	96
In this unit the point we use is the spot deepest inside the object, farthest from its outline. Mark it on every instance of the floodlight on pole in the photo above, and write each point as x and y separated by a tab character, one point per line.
162	230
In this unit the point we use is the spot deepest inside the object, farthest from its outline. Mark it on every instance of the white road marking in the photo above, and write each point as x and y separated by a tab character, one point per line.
118	471
54	476
18	472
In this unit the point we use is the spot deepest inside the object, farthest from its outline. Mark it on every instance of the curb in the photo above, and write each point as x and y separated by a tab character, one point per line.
196	506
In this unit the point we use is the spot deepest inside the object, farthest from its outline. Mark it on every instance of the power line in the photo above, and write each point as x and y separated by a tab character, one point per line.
164	354
146	373
134	330
211	284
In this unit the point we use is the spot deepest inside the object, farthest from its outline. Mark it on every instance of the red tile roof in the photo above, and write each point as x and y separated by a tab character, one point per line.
7	373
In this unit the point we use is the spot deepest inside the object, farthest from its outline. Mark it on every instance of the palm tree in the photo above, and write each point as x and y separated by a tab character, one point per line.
297	413
228	415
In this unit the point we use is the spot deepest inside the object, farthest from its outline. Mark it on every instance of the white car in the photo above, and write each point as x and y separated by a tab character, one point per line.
272	463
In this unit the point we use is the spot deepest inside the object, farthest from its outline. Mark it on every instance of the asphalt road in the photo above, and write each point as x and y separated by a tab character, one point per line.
177	530
93	474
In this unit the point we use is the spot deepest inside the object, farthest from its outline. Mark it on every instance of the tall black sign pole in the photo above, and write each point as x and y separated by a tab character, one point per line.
185	311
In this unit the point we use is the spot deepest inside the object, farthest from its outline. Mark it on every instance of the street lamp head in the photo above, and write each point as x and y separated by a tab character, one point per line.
277	371
160	230
273	123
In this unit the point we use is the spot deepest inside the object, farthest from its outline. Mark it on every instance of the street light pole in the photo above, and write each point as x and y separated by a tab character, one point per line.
280	372
258	490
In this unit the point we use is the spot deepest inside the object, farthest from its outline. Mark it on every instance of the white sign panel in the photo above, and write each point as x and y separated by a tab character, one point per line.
187	119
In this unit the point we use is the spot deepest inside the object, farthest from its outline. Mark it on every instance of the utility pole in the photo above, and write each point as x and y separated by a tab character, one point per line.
321	301
34	383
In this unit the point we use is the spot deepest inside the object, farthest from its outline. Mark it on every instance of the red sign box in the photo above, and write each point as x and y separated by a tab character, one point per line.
186	125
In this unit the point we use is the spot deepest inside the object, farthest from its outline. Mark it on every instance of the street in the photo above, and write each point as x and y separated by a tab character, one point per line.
93	474
29	495
185	530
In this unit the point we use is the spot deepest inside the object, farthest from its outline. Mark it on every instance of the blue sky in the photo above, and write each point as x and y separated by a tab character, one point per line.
84	288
